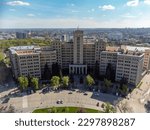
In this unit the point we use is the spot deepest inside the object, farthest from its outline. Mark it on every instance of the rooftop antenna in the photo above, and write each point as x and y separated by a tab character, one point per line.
78	27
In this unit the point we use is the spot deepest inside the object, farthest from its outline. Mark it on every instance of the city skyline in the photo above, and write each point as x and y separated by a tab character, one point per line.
73	13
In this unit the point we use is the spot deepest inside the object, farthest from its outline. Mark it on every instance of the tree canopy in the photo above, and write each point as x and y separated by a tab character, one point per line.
108	108
65	81
23	82
55	82
1	57
35	83
89	80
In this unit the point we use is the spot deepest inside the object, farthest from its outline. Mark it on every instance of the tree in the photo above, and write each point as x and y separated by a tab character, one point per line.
55	82
65	81
23	82
108	108
107	84
124	90
1	57
35	83
89	80
123	81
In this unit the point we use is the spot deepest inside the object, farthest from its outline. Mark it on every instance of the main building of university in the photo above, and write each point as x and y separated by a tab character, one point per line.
79	55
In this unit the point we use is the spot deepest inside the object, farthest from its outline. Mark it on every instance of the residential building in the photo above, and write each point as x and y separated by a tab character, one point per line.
130	66
25	61
108	57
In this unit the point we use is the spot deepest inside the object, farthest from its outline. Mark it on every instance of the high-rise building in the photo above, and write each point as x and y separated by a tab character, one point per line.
76	56
130	66
108	57
21	35
25	61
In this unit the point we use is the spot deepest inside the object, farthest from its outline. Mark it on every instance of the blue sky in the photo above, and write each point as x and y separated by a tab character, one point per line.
73	13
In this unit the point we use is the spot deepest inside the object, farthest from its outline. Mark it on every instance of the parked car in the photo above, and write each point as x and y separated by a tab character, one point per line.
85	94
70	93
59	102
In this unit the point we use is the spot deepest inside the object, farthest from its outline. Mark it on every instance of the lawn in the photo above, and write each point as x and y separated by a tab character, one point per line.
66	110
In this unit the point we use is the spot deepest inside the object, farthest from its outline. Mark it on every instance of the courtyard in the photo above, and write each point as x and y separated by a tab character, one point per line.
74	97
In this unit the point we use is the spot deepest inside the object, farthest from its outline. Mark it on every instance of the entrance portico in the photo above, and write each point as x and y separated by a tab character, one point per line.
78	69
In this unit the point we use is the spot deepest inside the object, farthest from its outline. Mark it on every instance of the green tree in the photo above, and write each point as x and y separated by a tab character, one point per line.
124	90
55	82
107	84
35	83
108	108
65	81
1	57
89	80
23	82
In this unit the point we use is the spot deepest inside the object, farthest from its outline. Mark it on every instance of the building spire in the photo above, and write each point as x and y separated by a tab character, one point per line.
78	27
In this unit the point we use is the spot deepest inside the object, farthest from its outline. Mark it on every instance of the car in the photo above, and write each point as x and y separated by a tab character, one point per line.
59	102
70	93
85	94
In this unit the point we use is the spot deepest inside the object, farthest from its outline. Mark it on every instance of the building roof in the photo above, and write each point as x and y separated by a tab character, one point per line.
136	48
21	48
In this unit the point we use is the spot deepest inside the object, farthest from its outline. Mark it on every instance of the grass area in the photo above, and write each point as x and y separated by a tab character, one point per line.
139	85
66	110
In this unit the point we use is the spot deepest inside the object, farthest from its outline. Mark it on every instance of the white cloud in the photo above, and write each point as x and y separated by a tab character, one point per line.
107	7
147	2
30	15
133	3
18	3
128	15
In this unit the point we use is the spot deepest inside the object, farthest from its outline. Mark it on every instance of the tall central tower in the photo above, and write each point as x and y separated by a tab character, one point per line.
78	47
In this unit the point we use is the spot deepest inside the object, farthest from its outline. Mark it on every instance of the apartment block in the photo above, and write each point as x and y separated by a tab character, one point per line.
146	65
107	57
67	54
25	61
47	56
130	66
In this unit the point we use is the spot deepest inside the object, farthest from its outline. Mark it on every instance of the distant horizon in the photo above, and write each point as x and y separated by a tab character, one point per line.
78	28
73	13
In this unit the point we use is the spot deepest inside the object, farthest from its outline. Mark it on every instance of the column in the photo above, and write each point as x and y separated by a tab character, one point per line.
82	70
79	70
73	69
69	70
85	70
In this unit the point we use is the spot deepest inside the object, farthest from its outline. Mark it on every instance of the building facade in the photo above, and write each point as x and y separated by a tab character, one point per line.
130	66
146	65
108	57
25	61
75	56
